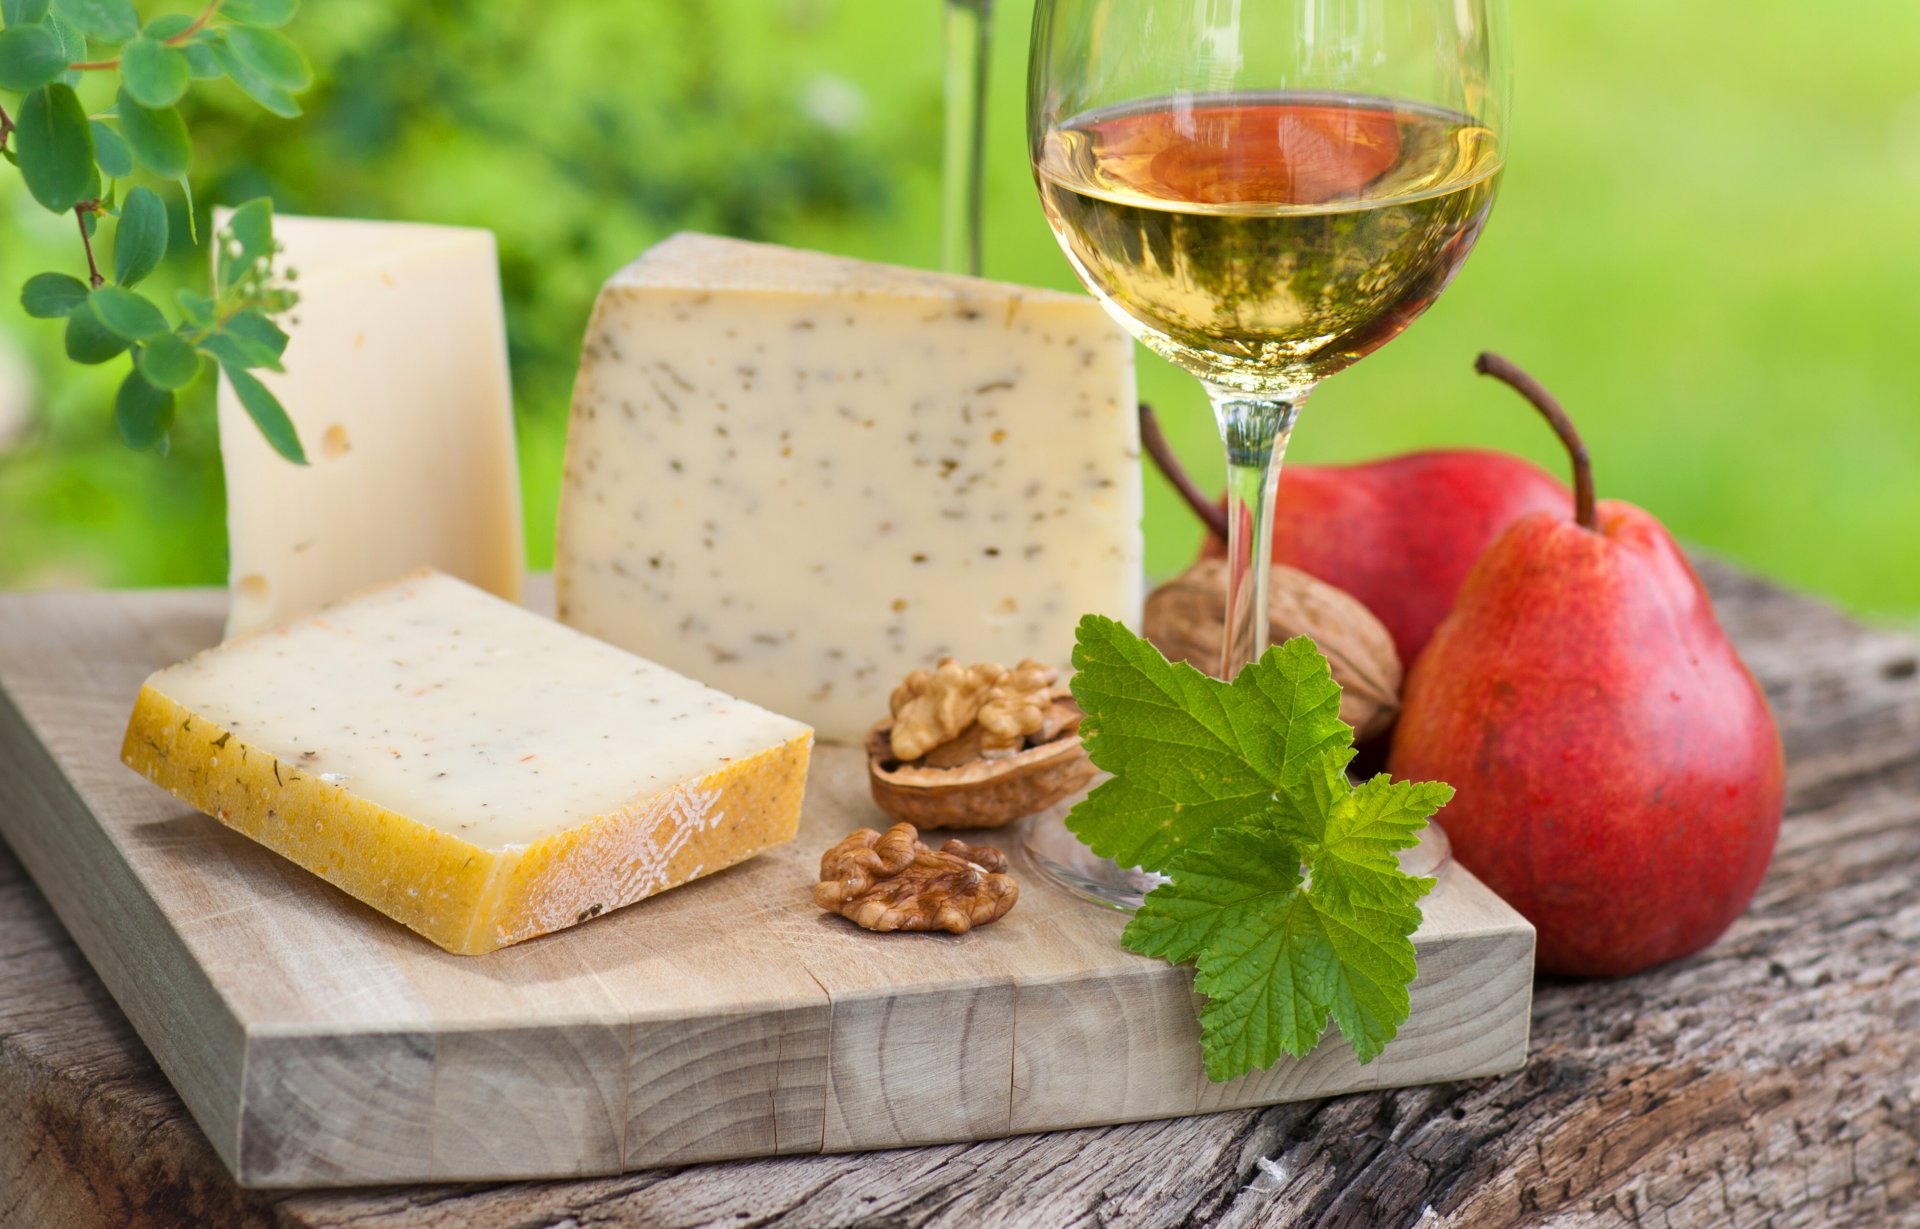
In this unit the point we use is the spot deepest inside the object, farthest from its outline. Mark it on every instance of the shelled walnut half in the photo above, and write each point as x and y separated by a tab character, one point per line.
977	746
895	882
1186	620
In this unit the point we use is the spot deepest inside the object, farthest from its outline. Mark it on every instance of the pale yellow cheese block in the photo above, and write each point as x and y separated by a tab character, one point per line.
802	477
471	770
396	381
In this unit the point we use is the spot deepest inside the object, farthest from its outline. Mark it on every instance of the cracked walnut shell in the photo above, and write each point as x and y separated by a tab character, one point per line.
895	882
1186	620
956	785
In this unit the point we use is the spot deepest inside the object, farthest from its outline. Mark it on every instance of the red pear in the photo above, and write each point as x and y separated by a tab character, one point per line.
1400	533
1619	776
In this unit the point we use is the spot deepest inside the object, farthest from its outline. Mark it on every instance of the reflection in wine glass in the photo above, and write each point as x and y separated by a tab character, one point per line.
1264	194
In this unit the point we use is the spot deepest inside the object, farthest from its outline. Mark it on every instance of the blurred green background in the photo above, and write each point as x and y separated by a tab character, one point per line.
1705	244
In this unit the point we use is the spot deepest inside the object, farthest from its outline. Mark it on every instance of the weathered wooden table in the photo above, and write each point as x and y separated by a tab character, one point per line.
1773	1080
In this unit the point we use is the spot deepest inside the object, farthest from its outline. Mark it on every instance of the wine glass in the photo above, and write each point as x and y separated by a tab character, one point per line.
1264	193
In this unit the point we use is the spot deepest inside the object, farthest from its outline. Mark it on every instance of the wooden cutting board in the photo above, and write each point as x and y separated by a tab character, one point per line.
319	1044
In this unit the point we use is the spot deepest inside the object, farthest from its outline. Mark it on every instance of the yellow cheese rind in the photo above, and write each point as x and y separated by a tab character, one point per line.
427	880
467	899
699	827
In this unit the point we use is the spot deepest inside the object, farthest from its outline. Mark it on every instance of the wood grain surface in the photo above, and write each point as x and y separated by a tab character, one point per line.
319	1044
1773	1080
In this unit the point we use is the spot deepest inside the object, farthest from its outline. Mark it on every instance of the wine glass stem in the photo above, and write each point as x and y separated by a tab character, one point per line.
1255	431
963	164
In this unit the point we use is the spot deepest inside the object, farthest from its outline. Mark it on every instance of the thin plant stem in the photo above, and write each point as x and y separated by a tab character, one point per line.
80	213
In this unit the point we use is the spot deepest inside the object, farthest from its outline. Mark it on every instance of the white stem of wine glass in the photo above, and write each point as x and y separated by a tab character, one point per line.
1255	430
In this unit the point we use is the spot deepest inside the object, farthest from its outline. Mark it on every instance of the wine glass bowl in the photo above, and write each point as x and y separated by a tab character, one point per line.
1263	194
1264	241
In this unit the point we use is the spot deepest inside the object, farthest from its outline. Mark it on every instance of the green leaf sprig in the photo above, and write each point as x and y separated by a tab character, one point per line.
73	161
1284	889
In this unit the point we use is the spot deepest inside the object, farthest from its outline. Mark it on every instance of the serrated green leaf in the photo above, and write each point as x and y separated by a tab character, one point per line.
157	136
49	296
126	313
1357	863
55	146
110	21
1284	885
110	152
30	57
272	56
262	89
1190	753
154	73
270	13
142	412
140	241
89	341
1276	954
22	12
267	414
168	361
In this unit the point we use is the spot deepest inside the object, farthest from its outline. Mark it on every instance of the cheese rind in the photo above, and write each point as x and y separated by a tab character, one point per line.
396	381
801	477
369	744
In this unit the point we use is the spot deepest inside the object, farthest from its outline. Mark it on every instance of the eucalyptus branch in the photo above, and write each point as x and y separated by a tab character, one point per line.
173	40
80	213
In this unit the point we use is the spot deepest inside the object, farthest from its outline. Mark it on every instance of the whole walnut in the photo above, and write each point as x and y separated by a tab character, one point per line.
1186	620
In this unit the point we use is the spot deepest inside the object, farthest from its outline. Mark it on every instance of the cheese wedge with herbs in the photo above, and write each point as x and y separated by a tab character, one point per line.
470	769
802	477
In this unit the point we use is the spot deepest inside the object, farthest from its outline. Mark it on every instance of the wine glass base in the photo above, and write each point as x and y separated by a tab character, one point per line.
1060	856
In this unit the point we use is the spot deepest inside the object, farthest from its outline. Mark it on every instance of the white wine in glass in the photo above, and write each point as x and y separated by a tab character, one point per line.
1263	193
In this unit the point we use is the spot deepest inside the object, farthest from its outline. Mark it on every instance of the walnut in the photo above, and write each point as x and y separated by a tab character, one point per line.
1186	620
894	882
1019	753
934	706
1016	707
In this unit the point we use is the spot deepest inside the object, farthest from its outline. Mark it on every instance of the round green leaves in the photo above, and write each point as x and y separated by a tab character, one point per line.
142	412
52	296
30	57
54	143
141	240
156	135
155	74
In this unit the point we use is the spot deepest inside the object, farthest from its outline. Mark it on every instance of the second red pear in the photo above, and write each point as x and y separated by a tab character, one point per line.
1618	772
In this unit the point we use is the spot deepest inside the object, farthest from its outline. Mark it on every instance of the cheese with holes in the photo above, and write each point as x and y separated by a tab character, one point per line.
800	477
472	770
396	380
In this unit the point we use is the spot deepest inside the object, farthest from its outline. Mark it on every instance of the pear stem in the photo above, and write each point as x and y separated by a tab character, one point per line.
1507	373
1154	441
